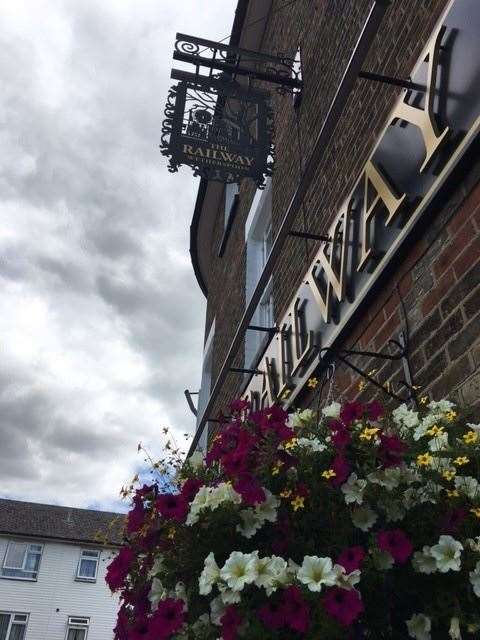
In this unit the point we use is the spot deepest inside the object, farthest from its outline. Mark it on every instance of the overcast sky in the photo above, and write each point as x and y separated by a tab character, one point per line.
101	318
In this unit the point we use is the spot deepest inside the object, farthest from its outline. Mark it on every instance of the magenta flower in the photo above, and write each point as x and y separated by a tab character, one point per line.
396	543
374	410
230	622
295	609
343	605
167	619
171	505
453	520
341	467
190	489
351	558
391	450
250	489
352	411
341	438
118	569
272	615
238	406
136	516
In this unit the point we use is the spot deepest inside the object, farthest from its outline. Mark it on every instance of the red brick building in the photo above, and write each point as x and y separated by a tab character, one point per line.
393	190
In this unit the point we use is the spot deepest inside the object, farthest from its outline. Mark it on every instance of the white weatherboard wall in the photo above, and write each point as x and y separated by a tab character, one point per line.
56	588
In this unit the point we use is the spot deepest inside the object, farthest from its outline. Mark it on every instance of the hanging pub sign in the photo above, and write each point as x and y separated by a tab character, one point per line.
220	129
218	124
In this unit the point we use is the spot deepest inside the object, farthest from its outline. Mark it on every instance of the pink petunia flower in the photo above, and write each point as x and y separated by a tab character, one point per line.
341	467
118	569
250	489
352	411
230	622
391	450
168	618
351	558
374	410
171	505
343	605
272	615
396	543
295	609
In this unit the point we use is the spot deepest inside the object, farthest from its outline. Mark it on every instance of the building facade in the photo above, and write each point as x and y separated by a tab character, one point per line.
383	202
52	572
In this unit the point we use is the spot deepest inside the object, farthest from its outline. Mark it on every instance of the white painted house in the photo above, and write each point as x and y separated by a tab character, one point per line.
52	572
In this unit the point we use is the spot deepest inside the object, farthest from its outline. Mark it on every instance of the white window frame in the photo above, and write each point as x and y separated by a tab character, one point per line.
259	239
31	578
84	555
77	623
205	387
12	621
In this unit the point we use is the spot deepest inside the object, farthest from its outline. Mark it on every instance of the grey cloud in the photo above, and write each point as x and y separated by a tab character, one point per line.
100	315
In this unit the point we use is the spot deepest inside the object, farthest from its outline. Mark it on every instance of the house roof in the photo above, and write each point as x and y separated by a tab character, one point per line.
60	523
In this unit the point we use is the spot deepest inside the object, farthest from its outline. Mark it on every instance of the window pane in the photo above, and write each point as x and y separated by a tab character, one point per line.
17	632
90	554
76	634
88	568
33	560
4	621
15	555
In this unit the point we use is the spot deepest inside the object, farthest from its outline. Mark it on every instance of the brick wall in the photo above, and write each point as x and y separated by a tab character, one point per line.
427	279
439	284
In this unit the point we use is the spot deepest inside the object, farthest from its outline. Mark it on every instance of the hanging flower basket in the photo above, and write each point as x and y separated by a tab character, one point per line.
354	523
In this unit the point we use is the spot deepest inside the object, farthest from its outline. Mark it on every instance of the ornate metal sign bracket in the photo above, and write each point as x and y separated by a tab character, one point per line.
282	71
402	354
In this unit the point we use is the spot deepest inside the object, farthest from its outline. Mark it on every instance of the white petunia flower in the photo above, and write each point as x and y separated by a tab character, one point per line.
197	505
447	553
473	544
157	593
424	562
364	518
239	570
347	580
405	417
196	460
251	523
469	486
388	478
217	609
157	567
440	406
266	511
313	444
281	573
316	572
474	427
227	595
353	489
454	631
394	511
475	579
439	443
382	560
332	410
302	418
209	575
419	627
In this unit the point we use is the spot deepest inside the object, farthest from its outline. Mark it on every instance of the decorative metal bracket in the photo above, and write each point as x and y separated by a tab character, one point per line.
270	330
309	236
253	372
188	396
402	354
280	70
396	82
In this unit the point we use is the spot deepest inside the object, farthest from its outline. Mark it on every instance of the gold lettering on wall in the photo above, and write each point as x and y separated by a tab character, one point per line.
424	118
328	275
377	191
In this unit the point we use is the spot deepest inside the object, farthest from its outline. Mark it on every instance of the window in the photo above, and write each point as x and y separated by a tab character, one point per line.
77	628
231	203
206	385
259	239
22	560
88	565
13	625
